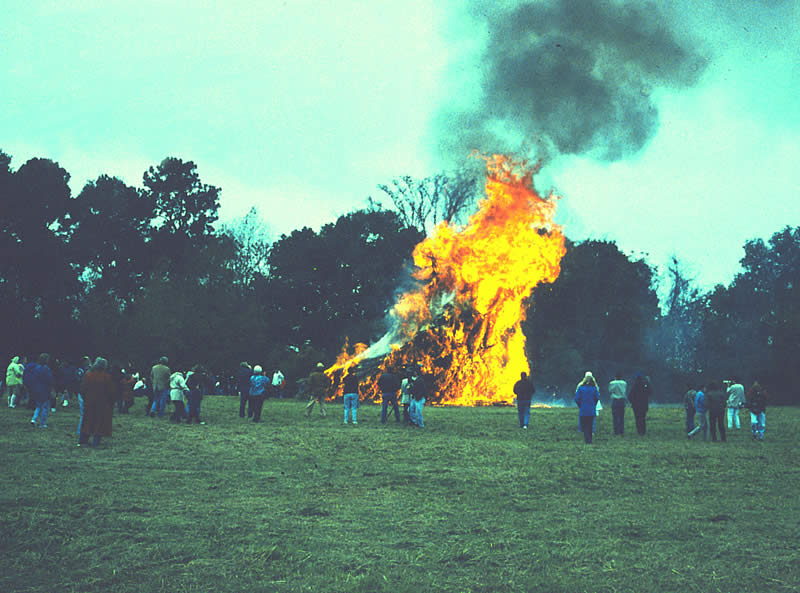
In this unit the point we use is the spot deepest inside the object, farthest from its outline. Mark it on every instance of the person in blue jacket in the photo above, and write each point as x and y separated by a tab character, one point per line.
700	418
40	383
587	396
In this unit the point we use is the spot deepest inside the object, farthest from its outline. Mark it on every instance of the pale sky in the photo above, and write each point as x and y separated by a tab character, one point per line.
302	108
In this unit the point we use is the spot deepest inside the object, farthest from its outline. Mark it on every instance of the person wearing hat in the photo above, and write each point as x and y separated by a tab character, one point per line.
586	396
258	391
318	384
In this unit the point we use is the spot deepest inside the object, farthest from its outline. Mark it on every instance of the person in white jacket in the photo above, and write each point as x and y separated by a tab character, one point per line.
177	394
735	393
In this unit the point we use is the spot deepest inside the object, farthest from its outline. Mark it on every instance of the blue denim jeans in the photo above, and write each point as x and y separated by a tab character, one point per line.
387	399
757	424
618	415
351	405
415	411
523	412
160	402
80	422
41	412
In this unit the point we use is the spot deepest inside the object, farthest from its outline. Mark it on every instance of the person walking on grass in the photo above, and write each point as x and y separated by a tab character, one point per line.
40	383
617	390
317	385
688	404
715	402
640	401
177	395
586	396
350	387
159	379
99	391
735	393
700	419
389	386
757	404
14	381
524	391
259	384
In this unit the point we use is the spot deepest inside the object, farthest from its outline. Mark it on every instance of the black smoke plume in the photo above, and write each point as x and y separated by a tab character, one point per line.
574	77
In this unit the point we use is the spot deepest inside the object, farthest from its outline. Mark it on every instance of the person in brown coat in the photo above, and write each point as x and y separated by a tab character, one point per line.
100	391
318	384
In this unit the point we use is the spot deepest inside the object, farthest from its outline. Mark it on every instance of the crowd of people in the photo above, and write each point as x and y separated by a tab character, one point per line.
98	388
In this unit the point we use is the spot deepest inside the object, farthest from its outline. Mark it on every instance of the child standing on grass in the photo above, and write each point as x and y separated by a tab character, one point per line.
587	396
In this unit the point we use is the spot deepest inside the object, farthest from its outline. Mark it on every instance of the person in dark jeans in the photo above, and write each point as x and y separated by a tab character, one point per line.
640	402
243	375
389	386
716	401
197	382
524	391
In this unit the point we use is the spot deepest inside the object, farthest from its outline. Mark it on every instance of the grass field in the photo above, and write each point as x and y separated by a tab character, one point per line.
471	503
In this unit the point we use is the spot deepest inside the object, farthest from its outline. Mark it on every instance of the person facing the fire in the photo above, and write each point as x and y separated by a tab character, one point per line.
389	385
318	384
640	401
350	391
405	399
587	396
524	391
418	389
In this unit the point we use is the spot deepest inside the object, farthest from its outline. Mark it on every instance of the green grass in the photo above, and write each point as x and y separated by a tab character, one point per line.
469	504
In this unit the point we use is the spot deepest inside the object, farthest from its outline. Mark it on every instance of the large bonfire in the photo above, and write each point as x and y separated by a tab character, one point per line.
461	325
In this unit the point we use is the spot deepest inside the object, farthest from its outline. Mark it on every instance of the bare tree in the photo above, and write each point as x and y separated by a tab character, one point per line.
252	239
424	203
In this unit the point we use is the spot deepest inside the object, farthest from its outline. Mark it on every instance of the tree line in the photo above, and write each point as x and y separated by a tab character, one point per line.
134	273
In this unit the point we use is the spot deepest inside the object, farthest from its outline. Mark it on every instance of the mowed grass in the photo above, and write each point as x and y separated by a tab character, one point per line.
469	504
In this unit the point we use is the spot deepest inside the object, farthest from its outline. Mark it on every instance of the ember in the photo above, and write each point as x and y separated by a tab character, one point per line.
462	324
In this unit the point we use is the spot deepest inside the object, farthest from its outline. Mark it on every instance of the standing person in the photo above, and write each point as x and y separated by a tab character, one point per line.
40	383
99	392
350	389
197	382
405	399
14	381
83	368
700	419
389	385
243	374
418	391
177	394
586	396
278	381
617	390
257	392
524	391
159	379
640	401
757	404
125	382
317	385
688	404
715	402
735	393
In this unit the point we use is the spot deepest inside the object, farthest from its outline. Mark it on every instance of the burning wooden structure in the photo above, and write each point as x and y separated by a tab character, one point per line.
461	325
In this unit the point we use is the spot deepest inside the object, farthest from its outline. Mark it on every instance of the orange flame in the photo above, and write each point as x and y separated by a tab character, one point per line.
462	326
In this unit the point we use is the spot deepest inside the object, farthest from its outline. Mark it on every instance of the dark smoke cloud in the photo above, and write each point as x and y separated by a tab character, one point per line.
573	76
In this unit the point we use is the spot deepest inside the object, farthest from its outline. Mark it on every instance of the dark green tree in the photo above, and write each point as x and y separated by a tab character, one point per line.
596	315
340	282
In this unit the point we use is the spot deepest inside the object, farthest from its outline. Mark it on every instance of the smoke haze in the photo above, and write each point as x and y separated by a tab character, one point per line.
576	76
